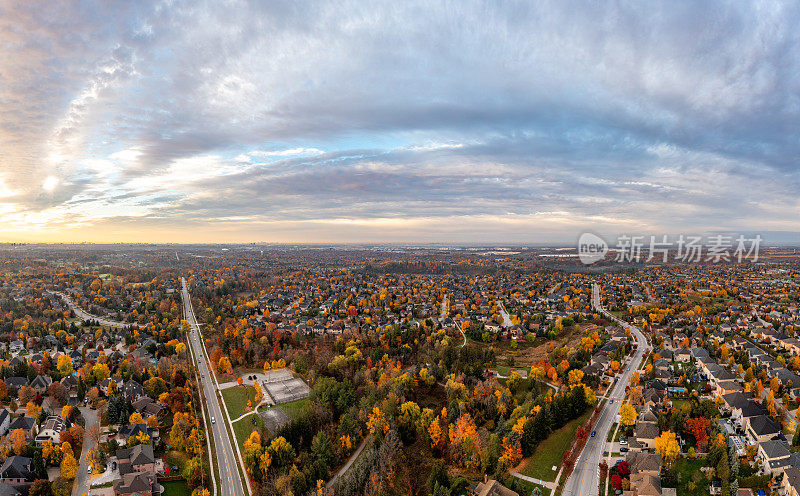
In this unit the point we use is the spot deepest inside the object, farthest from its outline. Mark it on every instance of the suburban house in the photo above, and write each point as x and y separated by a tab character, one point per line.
129	430
490	487
776	457
132	390
147	407
40	383
51	430
137	483
17	471
27	424
646	434
762	428
137	459
790	484
137	471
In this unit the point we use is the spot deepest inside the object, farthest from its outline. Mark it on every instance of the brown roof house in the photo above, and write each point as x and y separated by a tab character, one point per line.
490	487
137	471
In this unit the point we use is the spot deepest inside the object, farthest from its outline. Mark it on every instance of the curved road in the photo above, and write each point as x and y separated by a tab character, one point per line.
83	315
585	479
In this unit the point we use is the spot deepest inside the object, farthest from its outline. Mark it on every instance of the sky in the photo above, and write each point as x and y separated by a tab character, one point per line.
352	121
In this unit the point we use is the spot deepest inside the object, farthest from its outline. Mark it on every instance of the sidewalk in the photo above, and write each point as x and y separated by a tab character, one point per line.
548	485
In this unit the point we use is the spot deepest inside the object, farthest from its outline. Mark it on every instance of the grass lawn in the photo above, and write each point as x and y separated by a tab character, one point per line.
178	458
295	408
524	487
690	473
236	399
611	433
679	404
550	451
175	488
242	429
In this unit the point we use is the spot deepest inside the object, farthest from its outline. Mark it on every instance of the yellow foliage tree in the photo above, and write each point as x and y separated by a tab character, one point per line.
18	441
253	442
575	376
627	414
377	422
64	365
667	446
33	410
135	418
69	466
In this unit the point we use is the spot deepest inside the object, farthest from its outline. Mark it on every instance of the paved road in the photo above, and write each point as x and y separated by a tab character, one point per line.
81	485
446	312
83	315
585	479
230	483
504	314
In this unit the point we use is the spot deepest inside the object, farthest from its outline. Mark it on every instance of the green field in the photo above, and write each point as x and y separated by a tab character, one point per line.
175	488
527	487
690	474
244	427
294	408
550	451
236	399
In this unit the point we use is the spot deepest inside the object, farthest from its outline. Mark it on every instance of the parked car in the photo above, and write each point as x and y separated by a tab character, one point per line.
623	441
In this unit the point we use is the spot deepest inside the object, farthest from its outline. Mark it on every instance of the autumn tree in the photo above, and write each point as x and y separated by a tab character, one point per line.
513	381
698	427
64	365
224	366
69	465
627	414
667	446
18	441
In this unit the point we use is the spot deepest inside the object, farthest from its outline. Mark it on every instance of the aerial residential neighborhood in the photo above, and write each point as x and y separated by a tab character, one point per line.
523	377
415	248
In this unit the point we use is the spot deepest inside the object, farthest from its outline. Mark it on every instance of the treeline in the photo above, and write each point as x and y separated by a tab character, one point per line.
552	416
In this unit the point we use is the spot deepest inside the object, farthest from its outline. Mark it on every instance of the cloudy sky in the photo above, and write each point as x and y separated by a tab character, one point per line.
396	121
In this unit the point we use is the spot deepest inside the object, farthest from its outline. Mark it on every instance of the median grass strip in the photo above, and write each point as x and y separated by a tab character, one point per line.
612	432
550	451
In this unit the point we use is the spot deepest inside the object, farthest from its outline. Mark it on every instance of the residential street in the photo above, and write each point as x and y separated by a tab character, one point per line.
83	315
81	484
585	479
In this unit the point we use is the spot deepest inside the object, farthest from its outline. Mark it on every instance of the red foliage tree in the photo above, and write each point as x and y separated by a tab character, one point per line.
623	469
616	481
698	427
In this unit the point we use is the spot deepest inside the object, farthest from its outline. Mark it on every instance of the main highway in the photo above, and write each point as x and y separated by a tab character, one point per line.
585	478
230	482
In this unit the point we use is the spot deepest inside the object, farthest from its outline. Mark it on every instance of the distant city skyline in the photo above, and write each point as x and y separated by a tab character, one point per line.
501	123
